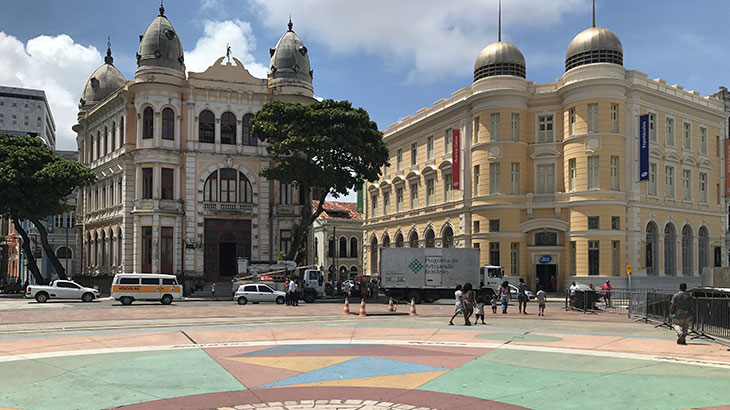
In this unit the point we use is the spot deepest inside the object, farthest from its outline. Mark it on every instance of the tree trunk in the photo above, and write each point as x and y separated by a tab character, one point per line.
307	218
39	279
60	271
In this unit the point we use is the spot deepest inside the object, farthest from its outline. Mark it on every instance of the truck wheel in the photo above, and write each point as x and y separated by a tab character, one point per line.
87	297
41	297
242	300
309	298
416	296
166	300
126	300
428	299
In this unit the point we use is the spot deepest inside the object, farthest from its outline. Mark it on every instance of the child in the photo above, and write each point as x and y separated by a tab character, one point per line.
541	302
494	303
480	310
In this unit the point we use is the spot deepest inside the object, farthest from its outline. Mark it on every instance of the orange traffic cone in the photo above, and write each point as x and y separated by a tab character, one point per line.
362	307
391	307
347	307
413	307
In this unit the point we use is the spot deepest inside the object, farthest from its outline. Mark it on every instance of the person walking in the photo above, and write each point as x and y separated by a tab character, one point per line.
469	302
541	298
607	293
522	296
504	296
680	311
458	305
494	303
479	310
212	291
292	295
287	297
296	293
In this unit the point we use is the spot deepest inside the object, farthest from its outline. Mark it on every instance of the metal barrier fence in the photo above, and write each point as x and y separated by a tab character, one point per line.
711	317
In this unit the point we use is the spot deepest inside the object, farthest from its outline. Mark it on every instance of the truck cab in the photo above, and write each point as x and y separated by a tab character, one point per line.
314	279
490	278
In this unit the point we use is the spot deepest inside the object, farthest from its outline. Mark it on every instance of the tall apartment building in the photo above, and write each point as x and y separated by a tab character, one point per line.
26	112
548	174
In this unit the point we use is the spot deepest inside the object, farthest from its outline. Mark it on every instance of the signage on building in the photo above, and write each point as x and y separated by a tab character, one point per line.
644	148
727	167
455	159
545	259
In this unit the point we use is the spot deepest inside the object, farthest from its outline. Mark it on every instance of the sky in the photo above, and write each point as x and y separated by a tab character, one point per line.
391	57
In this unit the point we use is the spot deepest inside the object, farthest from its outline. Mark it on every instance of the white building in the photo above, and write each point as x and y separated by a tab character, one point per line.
26	112
336	240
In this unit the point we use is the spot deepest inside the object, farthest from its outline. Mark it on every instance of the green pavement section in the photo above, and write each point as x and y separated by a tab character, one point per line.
519	337
540	380
102	381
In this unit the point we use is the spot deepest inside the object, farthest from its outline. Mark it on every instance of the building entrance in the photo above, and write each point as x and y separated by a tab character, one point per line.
546	277
225	240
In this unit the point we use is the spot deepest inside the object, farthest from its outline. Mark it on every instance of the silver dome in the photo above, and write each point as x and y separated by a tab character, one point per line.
500	58
160	45
290	59
594	45
104	81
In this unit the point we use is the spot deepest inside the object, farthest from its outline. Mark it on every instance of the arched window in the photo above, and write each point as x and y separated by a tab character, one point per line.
246	190
98	145
670	239
148	123
232	185
111	247
106	140
121	132
228	185
386	241
228	128
103	249
88	249
353	271
448	238
353	247
210	190
331	246
248	139
113	145
64	252
119	247
651	249
168	124
96	249
413	240
343	247
703	248
399	240
687	250
373	256
206	127
430	238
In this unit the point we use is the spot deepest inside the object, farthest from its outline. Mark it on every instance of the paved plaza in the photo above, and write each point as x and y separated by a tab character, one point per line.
224	356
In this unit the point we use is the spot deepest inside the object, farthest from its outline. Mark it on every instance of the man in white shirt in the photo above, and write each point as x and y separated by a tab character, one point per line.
541	299
573	288
458	295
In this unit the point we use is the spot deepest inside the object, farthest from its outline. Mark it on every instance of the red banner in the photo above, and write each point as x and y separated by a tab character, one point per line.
455	160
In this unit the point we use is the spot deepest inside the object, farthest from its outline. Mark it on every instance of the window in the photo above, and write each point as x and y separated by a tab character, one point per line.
592	117
546	239
651	249
669	182
146	249
448	142
687	250
430	239
494	225
106	141
515	258
476	227
374	205
414	195
448	188
515	178
147	183
546	179
686	135
247	137
494	253
353	247
669	250
593	222
686	187
476	180
494	178
429	192
121	132
285	194
652	127
206	127
114	136
652	187
429	148
98	144
703	140
703	253
166	251
572	175
210	189
228	185
615	223
246	190
228	128
414	154
399	199
129	281
168	183
168	124
413	240
386	170
614	117
148	123
593	258
285	241
573	254
515	127
494	127
447	238
669	132
399	159
703	187
615	257
331	246
476	129
593	172
545	128
571	121
614	173
343	247
386	203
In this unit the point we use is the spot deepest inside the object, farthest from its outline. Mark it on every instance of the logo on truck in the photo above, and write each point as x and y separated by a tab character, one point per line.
415	266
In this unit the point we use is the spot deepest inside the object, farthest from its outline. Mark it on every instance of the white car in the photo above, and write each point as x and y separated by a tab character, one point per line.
258	292
61	289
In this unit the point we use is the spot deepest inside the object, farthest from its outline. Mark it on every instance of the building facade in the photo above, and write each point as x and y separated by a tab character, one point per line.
548	174
26	112
178	186
336	241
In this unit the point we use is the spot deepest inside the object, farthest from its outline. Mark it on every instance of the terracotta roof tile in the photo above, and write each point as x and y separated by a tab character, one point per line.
338	210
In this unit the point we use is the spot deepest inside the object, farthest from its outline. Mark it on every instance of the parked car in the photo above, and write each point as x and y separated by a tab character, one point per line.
258	292
61	289
513	289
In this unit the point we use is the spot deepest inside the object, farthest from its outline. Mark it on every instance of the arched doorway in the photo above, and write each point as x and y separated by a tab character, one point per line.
670	240
373	256
651	249
430	238
448	238
687	250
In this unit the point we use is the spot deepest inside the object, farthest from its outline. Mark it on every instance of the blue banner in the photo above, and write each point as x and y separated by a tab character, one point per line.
644	148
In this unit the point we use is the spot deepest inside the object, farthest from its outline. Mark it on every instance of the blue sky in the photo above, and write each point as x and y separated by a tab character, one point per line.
391	57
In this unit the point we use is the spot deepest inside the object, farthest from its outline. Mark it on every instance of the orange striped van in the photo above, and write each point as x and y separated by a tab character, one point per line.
128	287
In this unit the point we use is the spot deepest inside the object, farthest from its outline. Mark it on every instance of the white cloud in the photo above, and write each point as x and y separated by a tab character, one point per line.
56	65
432	39
212	45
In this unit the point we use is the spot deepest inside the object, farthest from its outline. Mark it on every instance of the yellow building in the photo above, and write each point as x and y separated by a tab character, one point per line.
549	173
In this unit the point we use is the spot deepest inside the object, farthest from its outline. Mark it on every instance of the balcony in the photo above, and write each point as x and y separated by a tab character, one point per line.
543	199
228	208
168	206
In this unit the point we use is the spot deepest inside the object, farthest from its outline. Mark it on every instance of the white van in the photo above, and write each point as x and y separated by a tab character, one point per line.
128	287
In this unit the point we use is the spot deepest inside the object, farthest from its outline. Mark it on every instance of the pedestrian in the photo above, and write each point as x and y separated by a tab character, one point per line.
680	311
296	293
573	288
494	303
554	283
480	309
541	297
504	296
292	295
212	291
522	296
458	305
287	296
469	303
607	293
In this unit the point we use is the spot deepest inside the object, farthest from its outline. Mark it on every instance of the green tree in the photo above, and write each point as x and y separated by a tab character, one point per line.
327	145
35	184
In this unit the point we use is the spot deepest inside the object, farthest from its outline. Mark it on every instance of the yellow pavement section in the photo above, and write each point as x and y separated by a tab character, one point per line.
395	381
297	364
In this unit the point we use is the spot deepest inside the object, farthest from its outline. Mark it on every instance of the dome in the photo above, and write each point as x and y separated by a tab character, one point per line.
160	45
594	45
500	58
289	59
104	81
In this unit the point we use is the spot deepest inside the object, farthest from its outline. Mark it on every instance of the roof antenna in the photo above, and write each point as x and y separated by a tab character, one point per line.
162	8
290	23
594	13
499	36
108	59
